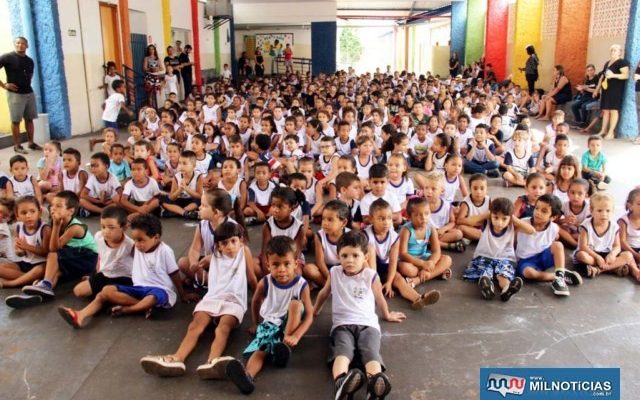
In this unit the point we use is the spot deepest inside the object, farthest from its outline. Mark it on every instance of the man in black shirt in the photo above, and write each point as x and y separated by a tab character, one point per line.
22	102
186	70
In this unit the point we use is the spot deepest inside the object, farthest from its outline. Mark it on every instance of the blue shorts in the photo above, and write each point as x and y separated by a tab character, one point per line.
540	262
489	267
109	124
140	292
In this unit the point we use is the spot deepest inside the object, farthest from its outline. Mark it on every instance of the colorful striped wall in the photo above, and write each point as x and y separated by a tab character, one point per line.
528	20
458	28
573	38
497	27
476	17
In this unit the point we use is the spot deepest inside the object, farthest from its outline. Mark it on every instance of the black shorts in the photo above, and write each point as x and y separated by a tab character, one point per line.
97	281
181	202
26	266
74	263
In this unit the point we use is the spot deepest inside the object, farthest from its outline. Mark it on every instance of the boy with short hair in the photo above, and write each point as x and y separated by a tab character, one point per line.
113	104
355	291
186	188
481	154
594	163
260	193
349	189
119	166
140	194
102	188
378	181
550	162
155	277
21	183
73	177
72	252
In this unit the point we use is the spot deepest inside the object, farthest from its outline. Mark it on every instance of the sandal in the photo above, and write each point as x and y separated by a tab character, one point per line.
70	316
592	271
446	275
410	282
459	246
379	386
117	311
623	271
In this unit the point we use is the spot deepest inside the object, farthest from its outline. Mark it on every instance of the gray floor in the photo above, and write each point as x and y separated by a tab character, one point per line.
434	354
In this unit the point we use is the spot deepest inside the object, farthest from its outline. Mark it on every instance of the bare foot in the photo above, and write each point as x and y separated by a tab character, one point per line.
609	136
543	119
585	130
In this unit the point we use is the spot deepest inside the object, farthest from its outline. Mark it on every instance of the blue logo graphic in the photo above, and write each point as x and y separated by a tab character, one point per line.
549	383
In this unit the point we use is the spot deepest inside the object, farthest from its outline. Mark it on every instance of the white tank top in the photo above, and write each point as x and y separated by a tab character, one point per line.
383	248
450	188
329	248
531	245
310	192
187	143
496	246
22	188
633	234
438	162
315	145
600	243
581	216
363	170
71	183
353	302
325	166
476	210
343	149
207	233
441	216
563	196
152	126
34	239
193	183
289	231
171	170
228	279
401	191
202	166
234	192
262	197
277	298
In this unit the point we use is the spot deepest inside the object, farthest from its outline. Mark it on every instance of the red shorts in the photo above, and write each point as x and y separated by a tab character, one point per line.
264	209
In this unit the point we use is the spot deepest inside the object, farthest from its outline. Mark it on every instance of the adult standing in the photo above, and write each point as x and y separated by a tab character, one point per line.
454	65
172	59
186	70
531	68
584	97
611	90
22	101
636	76
259	68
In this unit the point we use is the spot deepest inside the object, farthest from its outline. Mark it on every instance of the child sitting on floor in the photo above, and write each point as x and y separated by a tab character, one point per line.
102	188
475	204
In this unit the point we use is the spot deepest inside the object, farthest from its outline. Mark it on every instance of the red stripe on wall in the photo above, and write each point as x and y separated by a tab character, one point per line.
572	39
195	29
496	37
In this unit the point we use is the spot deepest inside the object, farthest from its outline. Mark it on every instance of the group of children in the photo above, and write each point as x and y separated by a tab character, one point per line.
335	152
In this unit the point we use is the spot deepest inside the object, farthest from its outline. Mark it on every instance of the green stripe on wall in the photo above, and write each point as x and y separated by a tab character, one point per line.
476	16
216	50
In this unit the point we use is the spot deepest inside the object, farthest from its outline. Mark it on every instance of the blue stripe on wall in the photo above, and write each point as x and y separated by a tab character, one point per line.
458	28
323	47
628	126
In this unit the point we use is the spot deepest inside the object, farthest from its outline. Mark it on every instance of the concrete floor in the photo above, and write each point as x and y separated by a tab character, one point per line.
434	354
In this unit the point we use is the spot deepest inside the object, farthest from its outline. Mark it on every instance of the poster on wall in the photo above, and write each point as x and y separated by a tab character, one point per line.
273	44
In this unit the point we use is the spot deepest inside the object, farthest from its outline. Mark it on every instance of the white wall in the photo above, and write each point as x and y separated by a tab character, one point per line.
284	12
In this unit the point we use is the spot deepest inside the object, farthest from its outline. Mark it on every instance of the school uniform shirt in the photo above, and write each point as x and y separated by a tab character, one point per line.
419	147
560	194
112	107
369	198
170	84
450	188
114	262
476	209
23	187
280	124
203	166
553	161
584	213
496	245
382	247
192	184
329	248
633	234
33	239
310	192
297	153
290	230
141	193
345	149
277	298
210	114
363	169
600	243
534	244
402	190
71	182
96	188
438	161
521	165
261	197
353	302
441	216
154	269
108	81
480	155
325	165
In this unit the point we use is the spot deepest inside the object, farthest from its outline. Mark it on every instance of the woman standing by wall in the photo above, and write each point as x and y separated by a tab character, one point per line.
611	88
531	68
454	65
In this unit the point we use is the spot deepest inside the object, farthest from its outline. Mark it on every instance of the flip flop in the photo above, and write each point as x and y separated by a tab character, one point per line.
430	297
623	271
70	316
446	275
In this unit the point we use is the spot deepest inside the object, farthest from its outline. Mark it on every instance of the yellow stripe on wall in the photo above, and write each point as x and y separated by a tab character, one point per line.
166	23
527	31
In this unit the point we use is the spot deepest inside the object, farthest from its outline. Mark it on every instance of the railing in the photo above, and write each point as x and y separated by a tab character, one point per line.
302	65
134	82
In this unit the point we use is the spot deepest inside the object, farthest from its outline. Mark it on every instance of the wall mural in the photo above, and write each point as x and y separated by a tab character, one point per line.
273	44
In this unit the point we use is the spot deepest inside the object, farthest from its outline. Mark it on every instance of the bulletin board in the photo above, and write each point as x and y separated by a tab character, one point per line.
273	44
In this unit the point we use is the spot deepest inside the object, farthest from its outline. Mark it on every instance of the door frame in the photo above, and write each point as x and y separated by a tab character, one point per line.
113	9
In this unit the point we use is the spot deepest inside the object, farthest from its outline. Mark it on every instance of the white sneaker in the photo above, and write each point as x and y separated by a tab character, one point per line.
214	369
162	366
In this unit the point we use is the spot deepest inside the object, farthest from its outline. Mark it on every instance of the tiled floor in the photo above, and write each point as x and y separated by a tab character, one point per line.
434	354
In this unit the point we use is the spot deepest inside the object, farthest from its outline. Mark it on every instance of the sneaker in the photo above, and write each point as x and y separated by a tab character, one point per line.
602	186
20	301
281	355
379	387
466	242
572	278
238	375
82	213
35	146
494	173
19	149
214	369
40	288
192	215
163	366
514	287
486	288
250	221
348	384
559	286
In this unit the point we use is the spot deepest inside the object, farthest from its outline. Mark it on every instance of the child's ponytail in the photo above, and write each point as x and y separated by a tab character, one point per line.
446	142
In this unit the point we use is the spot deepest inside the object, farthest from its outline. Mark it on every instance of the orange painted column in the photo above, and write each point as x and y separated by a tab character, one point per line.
123	11
572	38
195	28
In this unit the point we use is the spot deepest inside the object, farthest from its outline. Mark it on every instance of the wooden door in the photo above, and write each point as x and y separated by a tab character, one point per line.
112	50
